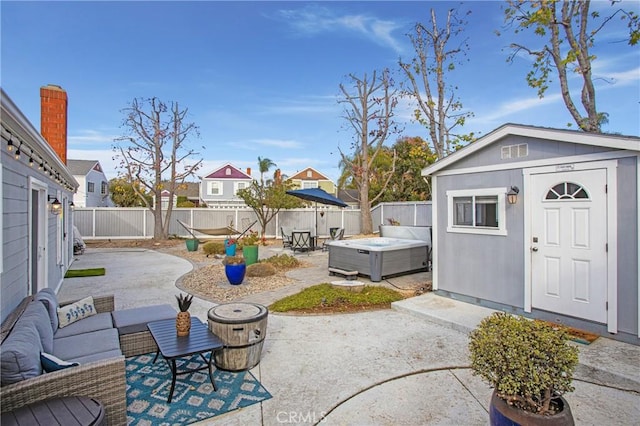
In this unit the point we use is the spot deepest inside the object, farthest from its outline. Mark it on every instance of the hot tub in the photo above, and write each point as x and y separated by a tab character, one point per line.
379	258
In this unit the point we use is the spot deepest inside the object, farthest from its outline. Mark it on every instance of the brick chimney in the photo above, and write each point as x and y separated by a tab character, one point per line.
53	118
249	171
278	176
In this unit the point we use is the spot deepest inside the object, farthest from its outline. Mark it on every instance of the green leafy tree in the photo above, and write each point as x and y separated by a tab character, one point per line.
568	30
155	149
407	183
123	194
369	105
267	198
438	49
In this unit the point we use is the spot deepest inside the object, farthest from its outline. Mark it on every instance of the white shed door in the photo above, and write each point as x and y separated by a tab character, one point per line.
568	247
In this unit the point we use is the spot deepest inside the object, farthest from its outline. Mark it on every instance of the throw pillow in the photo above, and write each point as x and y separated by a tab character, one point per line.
76	311
52	363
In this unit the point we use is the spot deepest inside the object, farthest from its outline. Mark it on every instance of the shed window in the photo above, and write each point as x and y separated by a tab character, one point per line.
480	211
567	191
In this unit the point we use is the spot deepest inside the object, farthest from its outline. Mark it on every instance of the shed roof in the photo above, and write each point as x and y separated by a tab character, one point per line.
234	173
631	143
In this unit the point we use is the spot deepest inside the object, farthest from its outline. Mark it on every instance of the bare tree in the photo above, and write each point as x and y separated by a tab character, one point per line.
369	111
569	30
438	109
154	150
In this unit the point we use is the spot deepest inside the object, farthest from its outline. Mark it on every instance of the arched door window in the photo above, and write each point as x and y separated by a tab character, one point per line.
567	191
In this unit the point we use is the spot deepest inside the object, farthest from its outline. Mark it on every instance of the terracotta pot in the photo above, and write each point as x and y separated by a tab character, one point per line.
503	414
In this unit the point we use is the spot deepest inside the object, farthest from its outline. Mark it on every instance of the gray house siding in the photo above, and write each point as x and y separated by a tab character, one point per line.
17	198
464	257
628	253
228	193
537	150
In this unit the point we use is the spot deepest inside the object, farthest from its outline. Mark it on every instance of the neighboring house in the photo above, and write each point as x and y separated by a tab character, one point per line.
566	250
311	178
219	188
36	224
190	190
94	186
350	196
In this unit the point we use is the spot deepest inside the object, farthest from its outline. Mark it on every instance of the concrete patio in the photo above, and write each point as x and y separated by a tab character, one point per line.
408	365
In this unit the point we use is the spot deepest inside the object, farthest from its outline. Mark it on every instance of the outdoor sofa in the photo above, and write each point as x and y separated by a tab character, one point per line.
98	343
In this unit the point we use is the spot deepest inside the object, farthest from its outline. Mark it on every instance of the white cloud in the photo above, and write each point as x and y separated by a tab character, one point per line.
91	136
278	143
315	19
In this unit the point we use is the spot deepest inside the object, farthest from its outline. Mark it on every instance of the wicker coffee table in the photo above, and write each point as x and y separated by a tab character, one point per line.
199	341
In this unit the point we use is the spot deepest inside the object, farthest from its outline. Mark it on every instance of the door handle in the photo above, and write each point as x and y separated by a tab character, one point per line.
534	248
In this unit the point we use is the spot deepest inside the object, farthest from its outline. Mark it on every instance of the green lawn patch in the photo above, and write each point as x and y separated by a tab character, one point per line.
92	272
323	298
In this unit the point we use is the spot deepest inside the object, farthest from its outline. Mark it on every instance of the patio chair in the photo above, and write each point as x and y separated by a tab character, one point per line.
286	238
334	234
301	240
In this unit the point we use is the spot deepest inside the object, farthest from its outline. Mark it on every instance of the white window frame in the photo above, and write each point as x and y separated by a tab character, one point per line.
307	184
219	185
480	192
236	186
91	187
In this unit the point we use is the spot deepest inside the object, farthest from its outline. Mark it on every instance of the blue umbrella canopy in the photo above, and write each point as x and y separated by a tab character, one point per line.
317	195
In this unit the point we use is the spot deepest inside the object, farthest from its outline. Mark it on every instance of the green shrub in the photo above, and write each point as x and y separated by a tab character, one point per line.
261	269
527	362
213	247
283	261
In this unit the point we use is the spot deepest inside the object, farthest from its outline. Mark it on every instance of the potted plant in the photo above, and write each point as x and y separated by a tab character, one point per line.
530	365
234	268
250	247
192	244
183	319
230	246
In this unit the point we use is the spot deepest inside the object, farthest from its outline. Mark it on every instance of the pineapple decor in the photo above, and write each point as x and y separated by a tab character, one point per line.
183	320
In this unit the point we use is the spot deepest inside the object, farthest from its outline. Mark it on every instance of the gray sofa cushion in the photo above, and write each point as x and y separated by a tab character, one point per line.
72	347
36	314
135	320
96	357
20	355
86	325
50	300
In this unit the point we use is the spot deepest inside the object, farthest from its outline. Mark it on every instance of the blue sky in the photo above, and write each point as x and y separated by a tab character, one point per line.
262	78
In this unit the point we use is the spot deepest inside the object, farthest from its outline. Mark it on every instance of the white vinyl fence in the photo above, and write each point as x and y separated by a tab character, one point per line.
137	223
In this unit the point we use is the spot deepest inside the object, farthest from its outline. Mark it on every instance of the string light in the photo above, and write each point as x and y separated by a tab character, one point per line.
18	152
10	143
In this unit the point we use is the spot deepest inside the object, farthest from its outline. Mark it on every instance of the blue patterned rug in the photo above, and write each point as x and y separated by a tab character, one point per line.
193	400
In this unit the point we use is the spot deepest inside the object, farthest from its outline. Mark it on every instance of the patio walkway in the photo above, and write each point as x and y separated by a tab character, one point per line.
382	367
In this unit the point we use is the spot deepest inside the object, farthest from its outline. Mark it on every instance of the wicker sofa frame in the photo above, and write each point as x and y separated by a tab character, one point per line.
103	380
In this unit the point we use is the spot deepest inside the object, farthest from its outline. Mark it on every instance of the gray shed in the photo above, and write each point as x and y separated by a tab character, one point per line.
544	223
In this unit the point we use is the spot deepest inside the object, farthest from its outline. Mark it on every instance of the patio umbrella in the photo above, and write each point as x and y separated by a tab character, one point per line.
317	195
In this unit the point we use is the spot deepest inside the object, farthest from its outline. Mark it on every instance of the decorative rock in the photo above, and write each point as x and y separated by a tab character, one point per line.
349	285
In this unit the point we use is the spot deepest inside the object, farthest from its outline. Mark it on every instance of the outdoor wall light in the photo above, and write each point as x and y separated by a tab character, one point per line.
71	205
56	206
512	195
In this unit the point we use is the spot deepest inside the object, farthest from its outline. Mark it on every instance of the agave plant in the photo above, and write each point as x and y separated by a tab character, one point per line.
184	302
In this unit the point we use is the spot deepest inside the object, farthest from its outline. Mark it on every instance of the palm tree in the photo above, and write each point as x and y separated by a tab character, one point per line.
264	164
